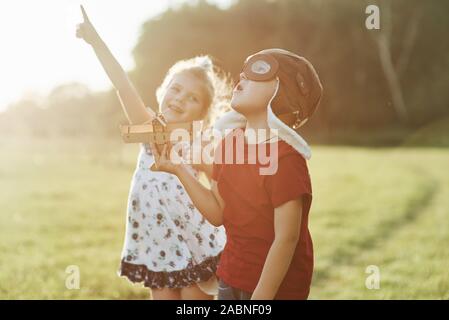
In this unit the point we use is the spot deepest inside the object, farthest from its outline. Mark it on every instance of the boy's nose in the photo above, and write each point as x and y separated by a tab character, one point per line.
179	98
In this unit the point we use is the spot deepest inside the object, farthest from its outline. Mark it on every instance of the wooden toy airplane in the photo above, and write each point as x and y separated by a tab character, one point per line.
155	131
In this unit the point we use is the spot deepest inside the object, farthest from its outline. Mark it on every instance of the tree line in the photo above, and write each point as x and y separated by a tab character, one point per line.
374	80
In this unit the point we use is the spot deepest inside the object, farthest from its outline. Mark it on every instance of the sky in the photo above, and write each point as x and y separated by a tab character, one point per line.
39	49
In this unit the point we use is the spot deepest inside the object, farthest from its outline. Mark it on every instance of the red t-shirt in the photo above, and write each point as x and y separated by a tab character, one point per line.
248	217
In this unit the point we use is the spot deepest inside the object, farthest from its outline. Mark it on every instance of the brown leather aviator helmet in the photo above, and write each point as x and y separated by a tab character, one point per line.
300	89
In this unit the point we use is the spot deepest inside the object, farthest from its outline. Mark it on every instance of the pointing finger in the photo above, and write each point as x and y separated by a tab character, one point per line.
155	165
85	17
164	151
155	151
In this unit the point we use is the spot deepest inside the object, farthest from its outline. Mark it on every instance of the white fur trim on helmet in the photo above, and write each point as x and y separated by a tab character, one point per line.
284	132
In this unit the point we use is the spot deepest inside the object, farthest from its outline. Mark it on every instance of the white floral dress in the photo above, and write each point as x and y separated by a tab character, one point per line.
168	243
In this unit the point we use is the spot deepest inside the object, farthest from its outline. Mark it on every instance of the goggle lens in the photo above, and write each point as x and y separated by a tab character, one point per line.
260	67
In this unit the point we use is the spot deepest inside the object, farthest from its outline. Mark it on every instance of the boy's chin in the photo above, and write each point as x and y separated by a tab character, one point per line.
247	110
238	107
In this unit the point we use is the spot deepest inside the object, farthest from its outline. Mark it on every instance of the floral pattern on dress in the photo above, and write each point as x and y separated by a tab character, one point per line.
168	243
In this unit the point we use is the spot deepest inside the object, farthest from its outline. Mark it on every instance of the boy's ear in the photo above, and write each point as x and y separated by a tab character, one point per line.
302	84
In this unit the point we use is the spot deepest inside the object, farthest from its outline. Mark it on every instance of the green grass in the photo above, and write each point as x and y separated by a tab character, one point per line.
64	202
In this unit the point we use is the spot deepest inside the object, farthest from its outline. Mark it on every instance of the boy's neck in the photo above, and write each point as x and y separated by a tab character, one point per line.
255	123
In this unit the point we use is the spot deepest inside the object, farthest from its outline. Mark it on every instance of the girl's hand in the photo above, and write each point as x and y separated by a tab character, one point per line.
86	30
162	160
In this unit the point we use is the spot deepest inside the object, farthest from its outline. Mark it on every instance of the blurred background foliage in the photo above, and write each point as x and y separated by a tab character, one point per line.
380	85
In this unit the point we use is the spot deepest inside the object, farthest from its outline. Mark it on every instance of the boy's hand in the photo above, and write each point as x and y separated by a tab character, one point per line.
162	160
86	30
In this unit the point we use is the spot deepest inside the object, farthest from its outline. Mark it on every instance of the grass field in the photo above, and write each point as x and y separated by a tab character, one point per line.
63	203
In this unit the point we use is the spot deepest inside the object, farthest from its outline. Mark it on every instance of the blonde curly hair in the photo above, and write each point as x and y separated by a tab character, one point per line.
217	85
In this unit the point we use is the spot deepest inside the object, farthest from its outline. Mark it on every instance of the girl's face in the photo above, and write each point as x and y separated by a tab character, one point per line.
184	100
252	97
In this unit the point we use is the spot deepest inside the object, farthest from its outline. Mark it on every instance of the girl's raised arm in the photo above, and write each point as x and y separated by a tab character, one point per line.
132	103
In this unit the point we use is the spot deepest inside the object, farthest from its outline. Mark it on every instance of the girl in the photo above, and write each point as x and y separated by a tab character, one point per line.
168	246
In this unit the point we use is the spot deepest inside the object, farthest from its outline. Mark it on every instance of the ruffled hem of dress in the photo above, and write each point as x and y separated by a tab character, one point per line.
139	273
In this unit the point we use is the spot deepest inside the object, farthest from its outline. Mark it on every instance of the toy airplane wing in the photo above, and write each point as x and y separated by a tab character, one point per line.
155	132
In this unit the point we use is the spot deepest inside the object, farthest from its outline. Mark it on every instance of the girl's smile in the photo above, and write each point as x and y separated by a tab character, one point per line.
184	99
176	108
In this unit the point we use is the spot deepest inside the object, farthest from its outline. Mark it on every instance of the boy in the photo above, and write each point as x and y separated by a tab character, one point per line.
269	251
